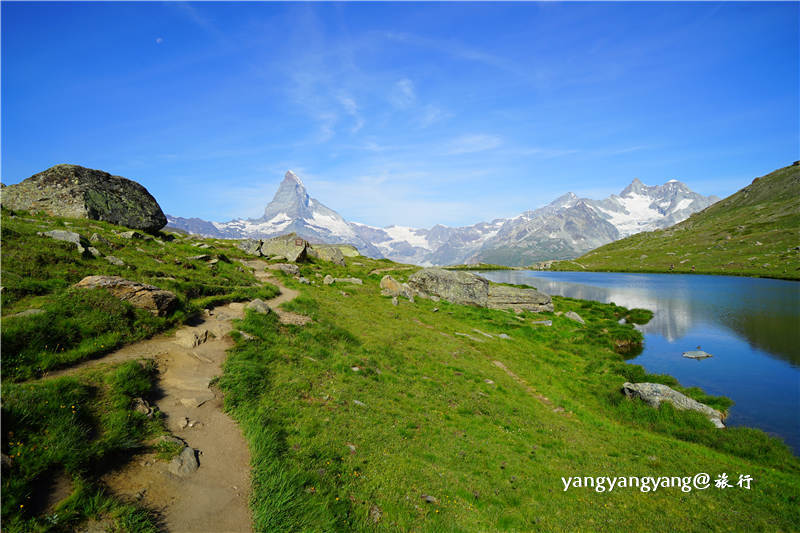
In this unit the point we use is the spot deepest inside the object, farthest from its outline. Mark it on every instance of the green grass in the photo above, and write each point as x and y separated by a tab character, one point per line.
491	453
38	273
755	232
72	427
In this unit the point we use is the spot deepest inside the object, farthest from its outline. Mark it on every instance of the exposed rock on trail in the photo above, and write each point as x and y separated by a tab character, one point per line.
77	192
158	301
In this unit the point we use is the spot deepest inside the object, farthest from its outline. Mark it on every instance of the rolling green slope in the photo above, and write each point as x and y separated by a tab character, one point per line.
754	232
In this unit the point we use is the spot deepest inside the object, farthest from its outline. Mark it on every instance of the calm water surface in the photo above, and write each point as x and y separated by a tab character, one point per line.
751	326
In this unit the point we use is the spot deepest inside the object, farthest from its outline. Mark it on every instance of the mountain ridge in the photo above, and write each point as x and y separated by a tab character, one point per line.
562	229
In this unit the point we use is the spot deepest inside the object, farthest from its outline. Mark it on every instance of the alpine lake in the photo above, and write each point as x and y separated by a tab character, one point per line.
750	326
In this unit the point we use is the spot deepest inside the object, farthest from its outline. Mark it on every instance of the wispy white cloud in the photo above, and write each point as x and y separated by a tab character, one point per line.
403	93
351	108
467	144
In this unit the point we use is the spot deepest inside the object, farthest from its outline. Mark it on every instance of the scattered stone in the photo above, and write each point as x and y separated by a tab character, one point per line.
27	312
158	301
543	322
655	393
355	369
572	315
352	447
292	270
476	330
435	309
191	338
516	299
359	403
97	238
488	381
115	260
246	336
328	280
327	253
503	336
467	335
202	257
390	286
435	298
394	300
259	306
696	354
429	499
131	235
141	406
94	251
183	423
303	280
68	236
355	281
250	246
76	192
185	463
375	514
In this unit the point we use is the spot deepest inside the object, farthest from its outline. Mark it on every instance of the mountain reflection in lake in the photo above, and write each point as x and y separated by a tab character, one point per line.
750	325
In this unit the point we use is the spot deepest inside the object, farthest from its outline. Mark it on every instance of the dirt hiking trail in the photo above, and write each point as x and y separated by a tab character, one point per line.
213	498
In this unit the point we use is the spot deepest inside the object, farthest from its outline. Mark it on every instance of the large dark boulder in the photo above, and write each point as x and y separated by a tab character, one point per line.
77	192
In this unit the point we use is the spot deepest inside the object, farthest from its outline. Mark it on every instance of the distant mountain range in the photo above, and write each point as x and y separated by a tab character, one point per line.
563	229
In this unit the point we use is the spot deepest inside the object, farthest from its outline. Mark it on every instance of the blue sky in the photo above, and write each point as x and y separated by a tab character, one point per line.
413	114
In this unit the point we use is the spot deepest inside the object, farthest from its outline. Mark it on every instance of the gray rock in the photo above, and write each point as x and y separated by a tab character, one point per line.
355	281
77	192
359	403
543	322
94	251
291	246
115	260
303	280
292	270
259	306
202	257
185	463
97	238
250	246
429	499
327	253
516	299
140	405
655	393
131	235
78	240
503	336
454	286
328	280
27	312
572	315
696	354
191	338
390	286
394	300
157	301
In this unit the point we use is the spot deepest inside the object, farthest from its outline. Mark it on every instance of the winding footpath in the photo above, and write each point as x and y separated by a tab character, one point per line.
213	498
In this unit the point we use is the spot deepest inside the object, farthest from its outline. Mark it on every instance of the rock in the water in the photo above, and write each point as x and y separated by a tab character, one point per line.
259	306
328	280
250	246
115	260
655	393
572	315
292	270
185	463
327	253
191	338
157	301
696	354
456	287
77	192
290	246
504	297
390	286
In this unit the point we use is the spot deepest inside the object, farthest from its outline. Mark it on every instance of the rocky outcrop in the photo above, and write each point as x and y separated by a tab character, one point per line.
655	393
327	253
287	247
259	306
77	192
455	287
390	286
158	301
572	315
78	240
250	246
504	297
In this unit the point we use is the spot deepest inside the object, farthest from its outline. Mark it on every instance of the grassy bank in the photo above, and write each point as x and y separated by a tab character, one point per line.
751	233
381	417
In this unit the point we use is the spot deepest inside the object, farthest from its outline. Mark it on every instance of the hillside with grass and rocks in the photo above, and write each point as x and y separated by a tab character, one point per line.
161	381
754	232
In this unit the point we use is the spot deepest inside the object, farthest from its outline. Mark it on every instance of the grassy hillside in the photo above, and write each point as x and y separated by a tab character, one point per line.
755	232
378	417
373	417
